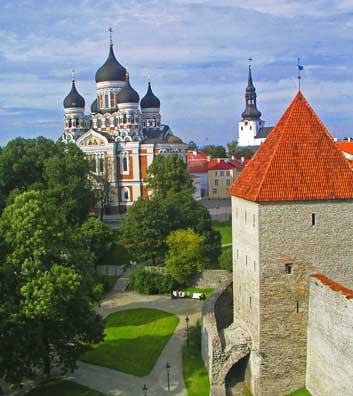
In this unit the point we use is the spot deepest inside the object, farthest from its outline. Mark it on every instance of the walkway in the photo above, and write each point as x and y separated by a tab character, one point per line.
115	383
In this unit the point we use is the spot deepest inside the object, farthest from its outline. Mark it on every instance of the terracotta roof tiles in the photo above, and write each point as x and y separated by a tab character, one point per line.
299	160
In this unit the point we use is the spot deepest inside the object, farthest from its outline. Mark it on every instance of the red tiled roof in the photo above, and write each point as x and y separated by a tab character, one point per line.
196	155
334	285
299	160
220	165
198	167
347	147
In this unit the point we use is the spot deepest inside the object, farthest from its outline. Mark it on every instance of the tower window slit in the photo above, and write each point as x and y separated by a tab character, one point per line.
313	219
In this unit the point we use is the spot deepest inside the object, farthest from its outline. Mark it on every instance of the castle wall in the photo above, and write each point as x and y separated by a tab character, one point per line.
246	278
330	339
288	236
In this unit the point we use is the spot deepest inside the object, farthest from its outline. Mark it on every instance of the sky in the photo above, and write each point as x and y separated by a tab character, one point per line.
195	52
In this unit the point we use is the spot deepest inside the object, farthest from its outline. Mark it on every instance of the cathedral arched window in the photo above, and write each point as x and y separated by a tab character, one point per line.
106	101
126	194
77	122
70	123
92	163
101	165
132	118
124	119
124	163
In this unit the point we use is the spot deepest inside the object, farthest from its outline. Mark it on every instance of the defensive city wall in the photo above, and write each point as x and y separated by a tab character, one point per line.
329	365
330	338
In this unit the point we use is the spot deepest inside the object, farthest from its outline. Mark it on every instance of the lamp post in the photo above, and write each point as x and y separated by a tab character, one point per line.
167	366
187	330
145	389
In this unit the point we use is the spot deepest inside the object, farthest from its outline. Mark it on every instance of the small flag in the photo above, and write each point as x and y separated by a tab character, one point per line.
300	67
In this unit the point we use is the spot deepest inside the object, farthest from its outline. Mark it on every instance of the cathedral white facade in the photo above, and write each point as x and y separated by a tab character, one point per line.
121	135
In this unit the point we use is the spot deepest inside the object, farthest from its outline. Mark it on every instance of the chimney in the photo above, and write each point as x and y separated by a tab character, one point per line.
219	160
242	159
194	153
233	158
208	158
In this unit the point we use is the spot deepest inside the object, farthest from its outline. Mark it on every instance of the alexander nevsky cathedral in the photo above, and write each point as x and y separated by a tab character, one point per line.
121	135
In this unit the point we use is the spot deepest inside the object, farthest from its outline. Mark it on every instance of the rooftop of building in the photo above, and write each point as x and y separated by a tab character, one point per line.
337	287
299	160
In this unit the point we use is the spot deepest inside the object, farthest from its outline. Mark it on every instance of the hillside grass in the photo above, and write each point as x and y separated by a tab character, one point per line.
133	340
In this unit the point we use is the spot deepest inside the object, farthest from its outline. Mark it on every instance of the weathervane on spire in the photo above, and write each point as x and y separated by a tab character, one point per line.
110	36
250	60
73	74
300	68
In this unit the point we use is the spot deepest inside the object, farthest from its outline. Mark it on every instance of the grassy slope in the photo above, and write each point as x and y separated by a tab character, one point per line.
300	392
62	388
206	292
195	374
225	228
134	339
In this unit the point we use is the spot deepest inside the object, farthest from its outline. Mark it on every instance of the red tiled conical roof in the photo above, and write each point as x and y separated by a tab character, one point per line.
298	161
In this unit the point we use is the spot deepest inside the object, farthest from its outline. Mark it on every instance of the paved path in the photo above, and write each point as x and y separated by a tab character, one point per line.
115	383
123	281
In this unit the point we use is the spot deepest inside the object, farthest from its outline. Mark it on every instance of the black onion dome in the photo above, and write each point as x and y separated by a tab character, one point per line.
74	99
94	106
251	112
128	94
150	99
112	70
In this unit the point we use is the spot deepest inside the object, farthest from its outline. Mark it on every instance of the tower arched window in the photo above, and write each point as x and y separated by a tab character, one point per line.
77	122
124	118
106	101
132	118
125	164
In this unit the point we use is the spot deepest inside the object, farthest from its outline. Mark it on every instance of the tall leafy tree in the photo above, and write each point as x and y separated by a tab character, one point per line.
168	175
145	229
22	163
66	174
48	306
214	151
239	152
186	251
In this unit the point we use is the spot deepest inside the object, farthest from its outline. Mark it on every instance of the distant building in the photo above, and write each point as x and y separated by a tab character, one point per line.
198	167
252	130
347	148
221	174
121	135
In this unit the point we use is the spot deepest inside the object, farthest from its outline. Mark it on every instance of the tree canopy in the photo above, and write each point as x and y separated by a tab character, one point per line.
214	151
168	174
186	251
48	289
239	152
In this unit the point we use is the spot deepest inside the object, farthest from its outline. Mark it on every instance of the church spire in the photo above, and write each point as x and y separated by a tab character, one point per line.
251	112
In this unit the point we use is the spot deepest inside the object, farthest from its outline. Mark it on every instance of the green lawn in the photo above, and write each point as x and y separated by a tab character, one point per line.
225	228
300	392
206	292
133	341
62	388
194	371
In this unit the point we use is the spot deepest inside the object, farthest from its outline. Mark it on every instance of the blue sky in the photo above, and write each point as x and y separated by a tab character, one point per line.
194	51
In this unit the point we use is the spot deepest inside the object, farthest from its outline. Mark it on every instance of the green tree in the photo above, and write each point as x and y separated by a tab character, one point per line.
226	260
192	145
214	151
185	257
239	152
66	174
48	290
22	163
97	238
145	229
168	174
184	212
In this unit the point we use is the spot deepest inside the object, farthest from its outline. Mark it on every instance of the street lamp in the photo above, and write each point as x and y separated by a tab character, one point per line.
145	389
187	330
167	366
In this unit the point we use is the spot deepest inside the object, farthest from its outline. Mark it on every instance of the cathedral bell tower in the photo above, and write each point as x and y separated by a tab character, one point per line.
251	117
74	107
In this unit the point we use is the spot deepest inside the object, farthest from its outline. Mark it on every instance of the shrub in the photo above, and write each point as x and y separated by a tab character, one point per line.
226	259
151	282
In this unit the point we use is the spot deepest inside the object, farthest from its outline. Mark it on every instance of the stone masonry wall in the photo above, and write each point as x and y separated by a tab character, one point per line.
287	236
212	279
330	339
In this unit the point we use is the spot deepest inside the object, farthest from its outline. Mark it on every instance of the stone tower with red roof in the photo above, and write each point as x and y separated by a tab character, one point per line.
292	217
